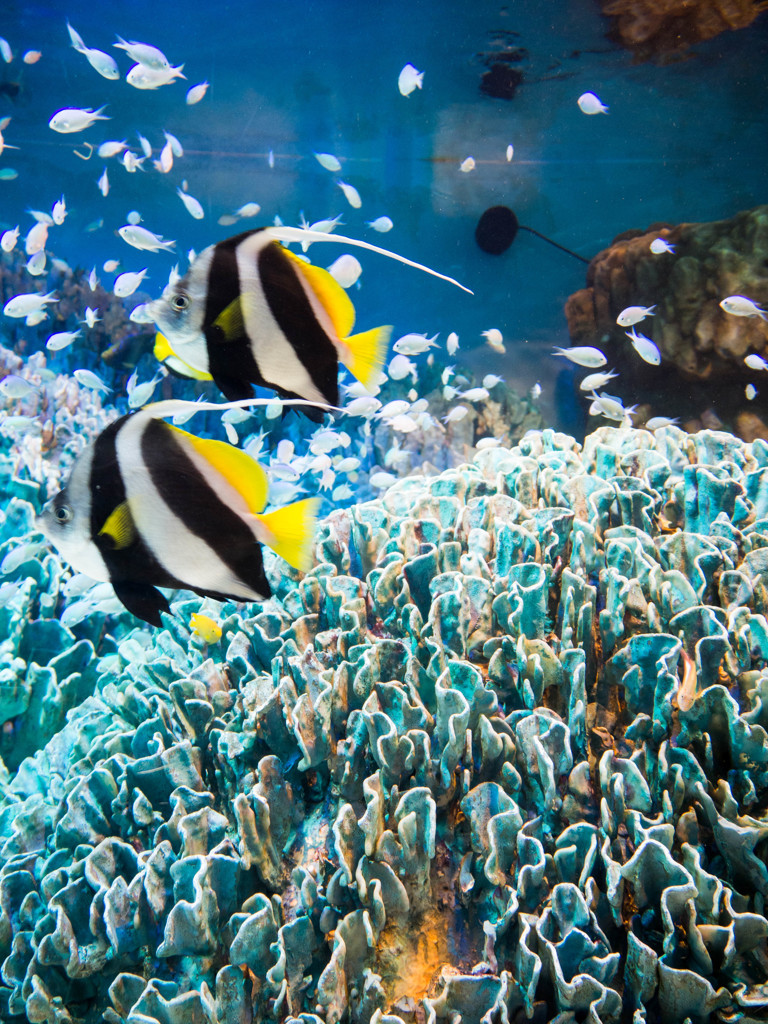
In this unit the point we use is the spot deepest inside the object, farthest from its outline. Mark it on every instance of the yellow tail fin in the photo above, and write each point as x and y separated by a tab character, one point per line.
366	354
290	531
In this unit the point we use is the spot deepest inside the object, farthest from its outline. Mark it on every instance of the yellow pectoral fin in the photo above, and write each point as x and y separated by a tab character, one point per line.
162	347
366	354
119	527
290	532
330	294
242	472
168	357
231	321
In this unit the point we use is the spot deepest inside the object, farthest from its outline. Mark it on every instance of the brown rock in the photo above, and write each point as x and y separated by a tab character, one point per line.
749	427
664	28
710	261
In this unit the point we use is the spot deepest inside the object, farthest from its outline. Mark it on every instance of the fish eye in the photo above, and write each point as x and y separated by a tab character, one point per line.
180	301
63	514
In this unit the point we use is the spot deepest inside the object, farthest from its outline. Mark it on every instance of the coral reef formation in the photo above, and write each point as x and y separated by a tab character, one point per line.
697	339
501	754
666	28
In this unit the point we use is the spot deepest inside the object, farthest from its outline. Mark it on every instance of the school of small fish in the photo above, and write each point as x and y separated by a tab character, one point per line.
208	330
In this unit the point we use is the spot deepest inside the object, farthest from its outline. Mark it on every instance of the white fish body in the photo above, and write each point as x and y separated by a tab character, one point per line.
140	314
142	77
13	386
140	394
73	119
91	380
414	344
103	183
28	303
36	317
131	162
591	104
381	224
350	194
248	210
328	161
91	317
510	152
346	270
99	61
467	165
127	283
490	380
595	381
93	279
403	424
193	206
755	362
143	53
660	245
611	407
750	392
633	315
409	79
740	305
108	149
381	480
475	394
494	340
176	147
166	157
36	263
535	392
396	407
36	238
452	344
583	355
657	422
9	239
644	347
63	339
400	366
5	50
32	56
196	93
458	412
59	211
146	145
364	405
142	238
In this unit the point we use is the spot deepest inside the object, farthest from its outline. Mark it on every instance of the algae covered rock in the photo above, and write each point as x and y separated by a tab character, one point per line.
502	753
697	339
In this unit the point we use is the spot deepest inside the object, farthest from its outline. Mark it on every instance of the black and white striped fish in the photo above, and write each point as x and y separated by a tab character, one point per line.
249	311
148	505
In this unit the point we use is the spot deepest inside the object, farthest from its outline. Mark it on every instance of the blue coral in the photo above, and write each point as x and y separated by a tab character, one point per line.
508	731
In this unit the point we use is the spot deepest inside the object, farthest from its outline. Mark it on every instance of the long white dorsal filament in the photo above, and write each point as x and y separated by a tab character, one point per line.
289	234
173	406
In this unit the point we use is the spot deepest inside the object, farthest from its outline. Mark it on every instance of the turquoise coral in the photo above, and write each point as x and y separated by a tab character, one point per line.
511	724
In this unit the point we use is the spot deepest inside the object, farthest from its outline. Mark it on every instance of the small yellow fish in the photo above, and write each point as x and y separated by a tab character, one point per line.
204	627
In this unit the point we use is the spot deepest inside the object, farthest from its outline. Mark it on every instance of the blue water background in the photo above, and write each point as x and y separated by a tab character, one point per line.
682	142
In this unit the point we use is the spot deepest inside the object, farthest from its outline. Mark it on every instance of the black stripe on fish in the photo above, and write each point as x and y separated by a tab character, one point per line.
195	503
134	565
223	284
230	360
296	319
106	483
